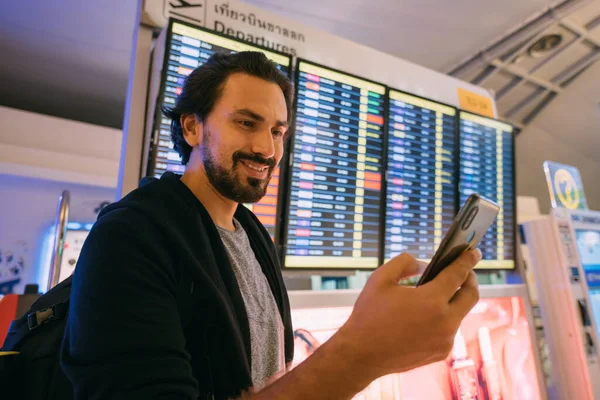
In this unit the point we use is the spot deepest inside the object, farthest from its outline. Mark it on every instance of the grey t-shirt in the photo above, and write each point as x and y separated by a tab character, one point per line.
266	327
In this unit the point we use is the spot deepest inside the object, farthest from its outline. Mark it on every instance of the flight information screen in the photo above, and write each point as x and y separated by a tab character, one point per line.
189	47
421	178
336	171
266	208
486	167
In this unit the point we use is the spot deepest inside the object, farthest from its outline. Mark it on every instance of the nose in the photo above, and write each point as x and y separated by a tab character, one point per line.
263	144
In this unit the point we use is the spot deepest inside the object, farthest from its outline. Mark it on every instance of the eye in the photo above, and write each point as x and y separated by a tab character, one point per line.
278	133
246	124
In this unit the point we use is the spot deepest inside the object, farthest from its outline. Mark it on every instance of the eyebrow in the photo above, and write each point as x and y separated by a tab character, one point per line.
258	117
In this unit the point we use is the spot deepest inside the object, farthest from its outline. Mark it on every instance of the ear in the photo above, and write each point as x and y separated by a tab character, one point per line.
192	129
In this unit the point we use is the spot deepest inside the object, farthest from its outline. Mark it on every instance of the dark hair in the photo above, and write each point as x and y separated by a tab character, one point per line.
203	87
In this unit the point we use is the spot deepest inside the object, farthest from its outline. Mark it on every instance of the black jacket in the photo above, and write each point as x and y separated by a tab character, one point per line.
155	309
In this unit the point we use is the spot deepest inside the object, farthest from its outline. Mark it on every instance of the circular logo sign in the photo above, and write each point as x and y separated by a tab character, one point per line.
566	189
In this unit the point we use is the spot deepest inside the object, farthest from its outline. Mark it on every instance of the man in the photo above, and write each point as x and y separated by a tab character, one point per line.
178	293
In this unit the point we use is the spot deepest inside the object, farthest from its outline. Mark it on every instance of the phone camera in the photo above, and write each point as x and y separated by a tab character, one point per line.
470	218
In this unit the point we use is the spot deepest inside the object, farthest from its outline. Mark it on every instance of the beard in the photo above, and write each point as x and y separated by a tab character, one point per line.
227	182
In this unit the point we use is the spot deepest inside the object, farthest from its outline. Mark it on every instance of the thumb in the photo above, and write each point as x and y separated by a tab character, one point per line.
399	268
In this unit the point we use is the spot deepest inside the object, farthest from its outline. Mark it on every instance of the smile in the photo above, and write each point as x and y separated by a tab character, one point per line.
254	166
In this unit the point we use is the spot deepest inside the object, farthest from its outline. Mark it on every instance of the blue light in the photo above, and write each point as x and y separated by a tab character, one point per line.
45	259
74	226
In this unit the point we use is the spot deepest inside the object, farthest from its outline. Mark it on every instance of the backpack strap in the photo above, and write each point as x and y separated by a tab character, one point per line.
21	328
39	318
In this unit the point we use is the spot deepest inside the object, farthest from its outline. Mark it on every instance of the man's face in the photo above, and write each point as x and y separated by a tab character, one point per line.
243	137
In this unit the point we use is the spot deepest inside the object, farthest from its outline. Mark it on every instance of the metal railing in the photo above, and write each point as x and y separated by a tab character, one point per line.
60	226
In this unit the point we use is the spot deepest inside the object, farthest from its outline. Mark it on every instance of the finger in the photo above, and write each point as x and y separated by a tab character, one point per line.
466	297
398	268
422	267
455	274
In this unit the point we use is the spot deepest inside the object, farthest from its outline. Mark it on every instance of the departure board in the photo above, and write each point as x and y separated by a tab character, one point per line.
487	168
266	208
421	178
189	47
336	171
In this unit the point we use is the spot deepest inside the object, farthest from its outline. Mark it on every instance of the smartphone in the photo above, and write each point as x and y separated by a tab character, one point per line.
468	228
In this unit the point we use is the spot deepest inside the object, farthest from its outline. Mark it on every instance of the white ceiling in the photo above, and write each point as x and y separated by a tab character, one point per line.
71	58
435	33
67	58
573	118
526	83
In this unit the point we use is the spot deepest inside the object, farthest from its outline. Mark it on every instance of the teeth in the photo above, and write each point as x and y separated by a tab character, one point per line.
259	169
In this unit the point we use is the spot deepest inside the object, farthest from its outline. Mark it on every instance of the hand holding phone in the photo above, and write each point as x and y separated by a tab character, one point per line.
468	228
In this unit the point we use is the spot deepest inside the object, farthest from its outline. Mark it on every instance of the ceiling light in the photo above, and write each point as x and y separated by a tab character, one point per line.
544	45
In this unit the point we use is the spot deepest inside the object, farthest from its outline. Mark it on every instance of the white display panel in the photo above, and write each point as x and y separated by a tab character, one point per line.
567	306
588	244
74	238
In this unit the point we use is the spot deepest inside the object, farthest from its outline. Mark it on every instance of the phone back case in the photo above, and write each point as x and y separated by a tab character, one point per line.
466	232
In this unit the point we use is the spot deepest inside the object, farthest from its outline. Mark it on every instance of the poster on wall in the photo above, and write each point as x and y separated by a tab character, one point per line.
13	260
492	358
